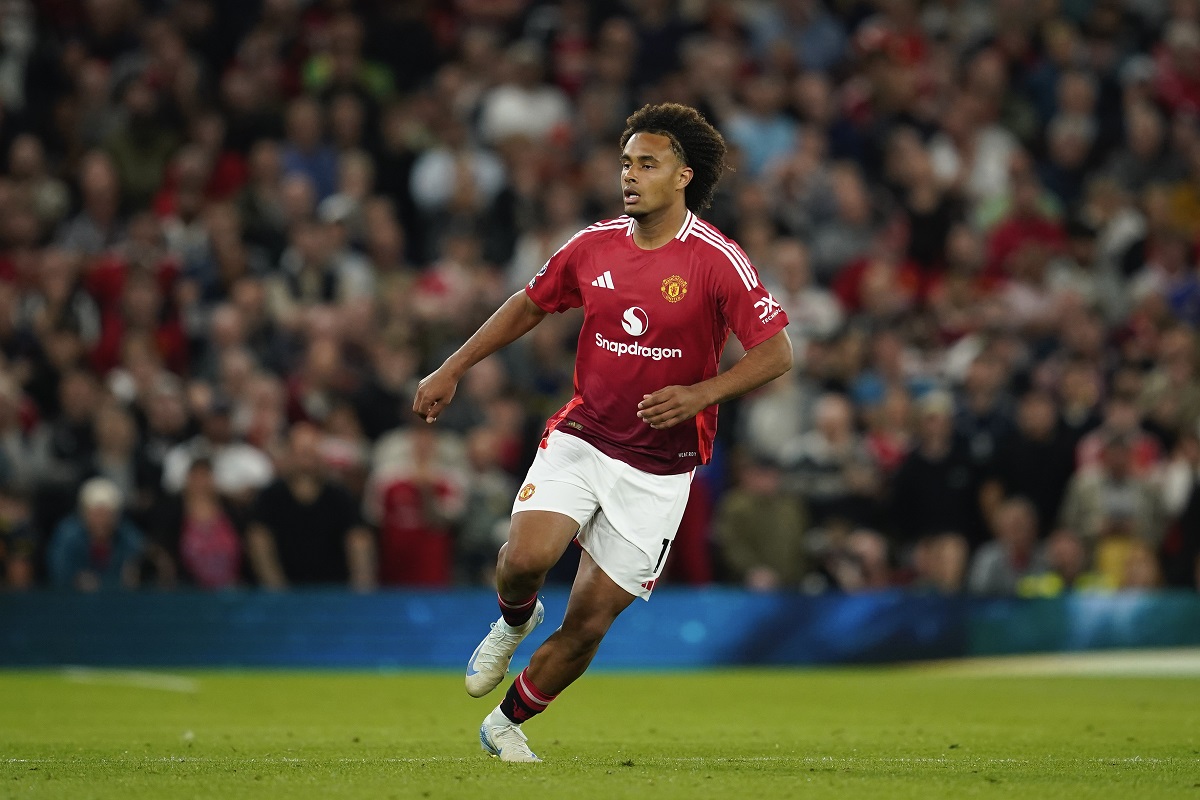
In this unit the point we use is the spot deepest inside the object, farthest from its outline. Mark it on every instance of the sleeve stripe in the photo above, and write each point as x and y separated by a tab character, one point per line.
611	225
704	235
737	251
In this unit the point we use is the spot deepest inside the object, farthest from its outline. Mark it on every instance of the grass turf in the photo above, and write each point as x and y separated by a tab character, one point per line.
886	733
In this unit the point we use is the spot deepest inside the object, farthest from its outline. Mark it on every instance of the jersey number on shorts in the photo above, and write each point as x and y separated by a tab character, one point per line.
662	555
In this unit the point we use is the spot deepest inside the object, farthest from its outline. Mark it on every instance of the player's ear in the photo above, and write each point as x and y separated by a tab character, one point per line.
685	177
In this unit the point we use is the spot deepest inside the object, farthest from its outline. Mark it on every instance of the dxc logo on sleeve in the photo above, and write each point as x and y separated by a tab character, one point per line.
770	308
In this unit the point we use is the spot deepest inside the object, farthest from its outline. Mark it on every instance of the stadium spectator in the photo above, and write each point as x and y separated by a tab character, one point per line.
487	507
15	446
35	186
814	312
831	466
889	429
416	493
1142	570
1034	462
315	270
453	180
760	128
1079	401
297	206
18	542
522	104
851	228
381	400
117	459
1146	160
1066	561
95	548
805	28
304	529
933	497
197	530
1182	549
1110	503
984	415
141	144
63	447
759	530
240	469
97	225
1122	419
1170	396
998	566
305	151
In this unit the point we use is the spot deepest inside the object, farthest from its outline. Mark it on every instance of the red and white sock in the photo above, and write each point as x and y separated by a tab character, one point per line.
524	700
517	614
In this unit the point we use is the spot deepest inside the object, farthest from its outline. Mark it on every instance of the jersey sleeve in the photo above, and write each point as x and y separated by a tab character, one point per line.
749	309
555	288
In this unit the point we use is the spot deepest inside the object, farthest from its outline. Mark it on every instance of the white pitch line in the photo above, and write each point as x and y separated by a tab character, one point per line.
650	760
1179	663
131	678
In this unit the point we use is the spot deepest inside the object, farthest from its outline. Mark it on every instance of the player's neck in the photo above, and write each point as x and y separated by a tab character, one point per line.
655	230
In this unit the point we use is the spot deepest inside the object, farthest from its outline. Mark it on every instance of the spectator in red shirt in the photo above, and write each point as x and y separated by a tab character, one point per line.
1121	418
1177	82
416	494
140	315
1024	225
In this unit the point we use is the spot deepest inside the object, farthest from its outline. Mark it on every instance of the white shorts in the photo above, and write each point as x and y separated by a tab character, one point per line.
627	518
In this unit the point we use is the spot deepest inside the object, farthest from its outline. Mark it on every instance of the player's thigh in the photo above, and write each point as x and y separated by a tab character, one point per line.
557	497
596	600
536	540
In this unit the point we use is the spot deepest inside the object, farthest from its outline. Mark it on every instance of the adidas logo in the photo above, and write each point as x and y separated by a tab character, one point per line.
604	281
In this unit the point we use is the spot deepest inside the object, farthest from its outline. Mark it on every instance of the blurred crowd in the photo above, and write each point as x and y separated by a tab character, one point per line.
233	235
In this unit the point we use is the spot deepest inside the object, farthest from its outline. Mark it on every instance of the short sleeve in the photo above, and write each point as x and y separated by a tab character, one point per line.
750	310
555	288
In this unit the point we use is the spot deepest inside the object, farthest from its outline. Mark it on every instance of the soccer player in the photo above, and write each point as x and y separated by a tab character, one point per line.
661	290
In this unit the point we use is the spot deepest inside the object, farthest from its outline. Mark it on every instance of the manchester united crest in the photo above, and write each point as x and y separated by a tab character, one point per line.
526	492
674	288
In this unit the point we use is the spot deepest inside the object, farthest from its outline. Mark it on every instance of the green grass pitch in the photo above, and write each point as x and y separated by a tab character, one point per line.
862	733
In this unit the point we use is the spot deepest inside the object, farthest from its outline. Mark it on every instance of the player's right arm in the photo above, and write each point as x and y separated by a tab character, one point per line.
514	319
553	289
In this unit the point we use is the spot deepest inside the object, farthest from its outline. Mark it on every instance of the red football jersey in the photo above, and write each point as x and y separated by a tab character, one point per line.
652	318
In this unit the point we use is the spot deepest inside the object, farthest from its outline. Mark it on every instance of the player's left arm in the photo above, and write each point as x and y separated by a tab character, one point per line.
762	364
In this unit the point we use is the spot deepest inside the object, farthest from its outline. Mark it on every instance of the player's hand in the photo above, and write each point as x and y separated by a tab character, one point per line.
434	393
671	405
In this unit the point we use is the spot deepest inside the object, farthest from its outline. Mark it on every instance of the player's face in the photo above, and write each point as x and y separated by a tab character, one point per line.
652	178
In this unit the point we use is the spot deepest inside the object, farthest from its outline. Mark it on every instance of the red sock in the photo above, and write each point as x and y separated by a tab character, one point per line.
523	699
517	614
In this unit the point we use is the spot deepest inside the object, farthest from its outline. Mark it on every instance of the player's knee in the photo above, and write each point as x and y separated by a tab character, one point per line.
522	566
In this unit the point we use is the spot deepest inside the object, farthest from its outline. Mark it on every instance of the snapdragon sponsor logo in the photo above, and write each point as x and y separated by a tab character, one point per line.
637	349
635	322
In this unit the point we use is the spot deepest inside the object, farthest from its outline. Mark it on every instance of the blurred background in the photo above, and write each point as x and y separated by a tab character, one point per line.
233	235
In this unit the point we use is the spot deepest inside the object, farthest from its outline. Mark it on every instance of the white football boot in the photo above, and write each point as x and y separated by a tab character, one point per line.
505	741
489	663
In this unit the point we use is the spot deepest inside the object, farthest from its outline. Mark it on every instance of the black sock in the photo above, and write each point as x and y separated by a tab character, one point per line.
523	699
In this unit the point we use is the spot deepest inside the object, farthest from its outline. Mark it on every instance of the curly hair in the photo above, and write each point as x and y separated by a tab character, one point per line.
695	142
